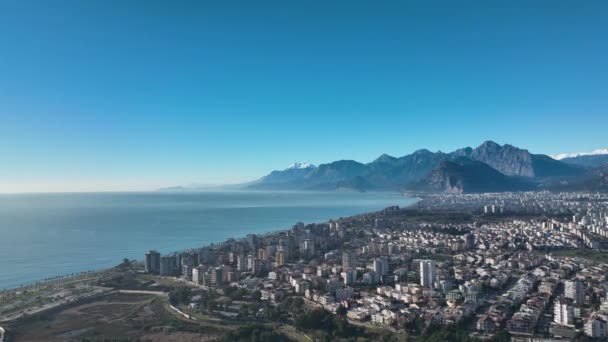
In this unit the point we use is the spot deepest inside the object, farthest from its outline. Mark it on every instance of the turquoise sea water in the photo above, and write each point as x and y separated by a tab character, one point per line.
43	235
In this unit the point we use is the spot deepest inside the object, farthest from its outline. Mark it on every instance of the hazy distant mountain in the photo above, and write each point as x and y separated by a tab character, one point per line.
324	177
301	166
579	154
496	167
464	175
589	161
198	187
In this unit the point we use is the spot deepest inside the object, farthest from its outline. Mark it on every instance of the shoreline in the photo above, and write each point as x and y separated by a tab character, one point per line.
73	276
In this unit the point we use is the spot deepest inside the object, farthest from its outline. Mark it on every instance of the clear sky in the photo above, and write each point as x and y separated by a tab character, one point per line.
133	95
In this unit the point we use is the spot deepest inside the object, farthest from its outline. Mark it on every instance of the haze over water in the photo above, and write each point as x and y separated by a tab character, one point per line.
43	235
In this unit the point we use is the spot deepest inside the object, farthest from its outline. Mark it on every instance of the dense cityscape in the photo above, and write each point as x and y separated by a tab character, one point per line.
519	265
526	266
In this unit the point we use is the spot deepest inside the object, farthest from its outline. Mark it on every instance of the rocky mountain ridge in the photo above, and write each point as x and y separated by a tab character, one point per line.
489	167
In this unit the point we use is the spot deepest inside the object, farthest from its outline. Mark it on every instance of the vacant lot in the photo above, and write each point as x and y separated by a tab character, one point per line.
114	317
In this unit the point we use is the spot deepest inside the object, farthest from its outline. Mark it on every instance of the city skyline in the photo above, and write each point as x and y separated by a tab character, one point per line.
133	97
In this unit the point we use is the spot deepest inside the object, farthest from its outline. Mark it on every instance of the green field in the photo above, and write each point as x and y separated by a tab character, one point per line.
589	254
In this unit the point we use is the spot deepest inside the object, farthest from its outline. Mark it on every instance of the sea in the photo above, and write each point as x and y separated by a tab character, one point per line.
45	235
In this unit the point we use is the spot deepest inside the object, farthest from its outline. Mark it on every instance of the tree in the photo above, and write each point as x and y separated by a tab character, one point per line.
125	263
502	336
256	295
244	310
253	333
321	320
180	295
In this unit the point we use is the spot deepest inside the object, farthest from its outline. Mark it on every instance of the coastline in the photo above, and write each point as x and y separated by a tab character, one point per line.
71	276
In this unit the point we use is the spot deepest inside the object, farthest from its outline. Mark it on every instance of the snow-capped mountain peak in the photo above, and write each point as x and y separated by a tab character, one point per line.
301	166
578	154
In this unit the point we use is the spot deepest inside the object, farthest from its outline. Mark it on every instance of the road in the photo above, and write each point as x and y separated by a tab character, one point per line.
155	293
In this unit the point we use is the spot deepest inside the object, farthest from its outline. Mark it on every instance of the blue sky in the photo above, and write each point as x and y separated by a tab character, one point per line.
134	95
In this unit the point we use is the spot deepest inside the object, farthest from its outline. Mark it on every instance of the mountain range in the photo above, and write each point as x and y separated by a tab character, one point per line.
591	159
579	154
489	167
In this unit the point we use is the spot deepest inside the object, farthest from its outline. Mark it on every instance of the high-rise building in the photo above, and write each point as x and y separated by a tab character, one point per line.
445	286
241	263
596	327
187	259
205	256
380	266
252	239
152	262
196	258
563	312
226	269
168	265
308	248
187	272
575	291
206	278
280	258
232	276
427	273
232	257
262	254
250	261
216	276
285	250
349	276
197	274
349	260
256	266
469	240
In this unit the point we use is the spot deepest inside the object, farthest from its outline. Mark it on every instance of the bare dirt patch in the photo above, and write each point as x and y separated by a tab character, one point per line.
113	317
